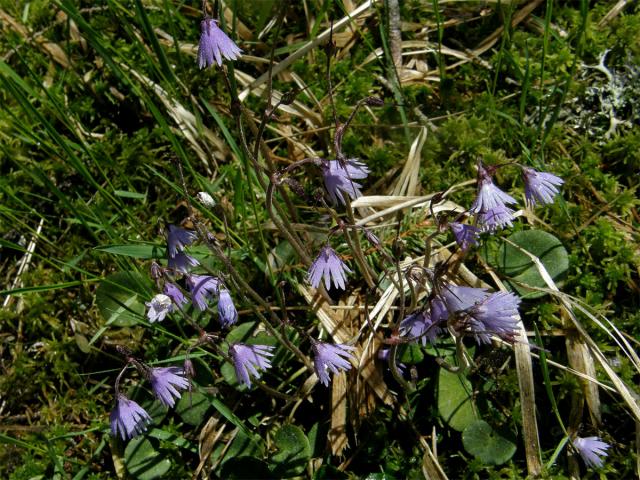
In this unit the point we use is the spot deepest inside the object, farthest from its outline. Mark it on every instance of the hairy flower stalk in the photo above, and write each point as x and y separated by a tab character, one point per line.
215	45
328	267
331	357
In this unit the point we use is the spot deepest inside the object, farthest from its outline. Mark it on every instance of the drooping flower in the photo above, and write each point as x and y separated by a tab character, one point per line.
372	238
173	291
227	313
128	418
159	307
498	217
156	271
490	204
167	382
438	310
420	326
332	357
591	449
339	179
489	196
215	44
202	288
178	238
540	187
182	262
457	298
248	359
466	235
330	267
496	314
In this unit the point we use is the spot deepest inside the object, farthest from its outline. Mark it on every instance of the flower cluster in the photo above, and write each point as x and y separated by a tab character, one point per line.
491	204
457	310
201	288
128	419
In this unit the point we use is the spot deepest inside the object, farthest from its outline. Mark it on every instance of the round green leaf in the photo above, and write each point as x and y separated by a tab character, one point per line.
411	354
245	468
143	462
485	443
514	263
293	454
193	407
455	402
120	298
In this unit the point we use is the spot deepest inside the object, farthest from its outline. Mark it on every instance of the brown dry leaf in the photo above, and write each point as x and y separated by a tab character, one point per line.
333	322
338	433
407	182
207	440
54	51
297	108
581	360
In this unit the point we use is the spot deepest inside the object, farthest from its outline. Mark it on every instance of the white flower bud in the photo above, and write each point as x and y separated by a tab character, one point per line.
205	199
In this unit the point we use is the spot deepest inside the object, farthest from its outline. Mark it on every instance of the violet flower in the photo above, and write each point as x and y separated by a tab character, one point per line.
227	313
466	235
591	449
178	238
457	298
339	180
496	314
159	308
330	267
202	288
540	187
173	291
128	418
489	196
490	203
215	44
248	359
182	262
438	310
419	326
167	382
499	217
332	357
